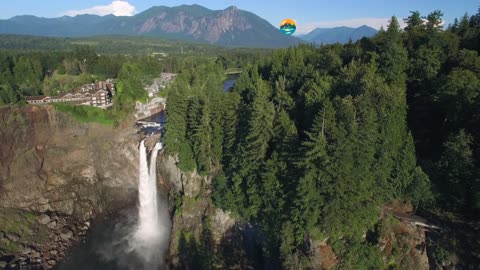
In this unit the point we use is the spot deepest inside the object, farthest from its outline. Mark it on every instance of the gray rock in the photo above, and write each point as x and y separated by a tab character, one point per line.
89	174
44	219
55	181
3	264
52	225
53	252
35	254
26	250
66	207
5	241
51	262
66	234
42	208
13	237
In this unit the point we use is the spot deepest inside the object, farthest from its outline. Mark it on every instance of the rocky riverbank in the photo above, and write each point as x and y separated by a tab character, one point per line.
56	177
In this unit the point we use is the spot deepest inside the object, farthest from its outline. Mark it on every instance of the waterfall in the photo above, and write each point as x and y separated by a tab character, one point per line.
151	234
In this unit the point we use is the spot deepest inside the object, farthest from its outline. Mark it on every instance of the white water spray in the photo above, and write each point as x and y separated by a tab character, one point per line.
151	235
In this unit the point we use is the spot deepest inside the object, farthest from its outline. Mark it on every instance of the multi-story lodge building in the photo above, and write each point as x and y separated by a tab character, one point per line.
97	94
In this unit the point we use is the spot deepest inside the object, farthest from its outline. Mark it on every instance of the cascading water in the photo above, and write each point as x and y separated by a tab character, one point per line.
147	193
151	233
130	241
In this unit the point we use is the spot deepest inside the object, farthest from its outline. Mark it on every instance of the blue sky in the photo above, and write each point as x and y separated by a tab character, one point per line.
307	13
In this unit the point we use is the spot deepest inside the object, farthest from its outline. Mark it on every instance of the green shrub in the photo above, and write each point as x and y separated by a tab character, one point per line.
88	114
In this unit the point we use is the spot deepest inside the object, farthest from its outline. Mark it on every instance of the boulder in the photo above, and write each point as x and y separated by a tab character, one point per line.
66	234
66	207
42	208
89	174
55	181
26	250
12	237
44	219
52	225
83	209
35	254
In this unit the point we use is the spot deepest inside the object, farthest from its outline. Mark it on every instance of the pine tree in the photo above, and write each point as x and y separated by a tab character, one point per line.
393	60
272	210
230	119
414	22
176	128
260	127
457	168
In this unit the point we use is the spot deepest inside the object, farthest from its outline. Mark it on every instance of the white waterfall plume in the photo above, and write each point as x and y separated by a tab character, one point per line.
151	234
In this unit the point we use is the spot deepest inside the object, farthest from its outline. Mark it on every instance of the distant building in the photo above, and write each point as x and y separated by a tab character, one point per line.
160	83
97	94
160	53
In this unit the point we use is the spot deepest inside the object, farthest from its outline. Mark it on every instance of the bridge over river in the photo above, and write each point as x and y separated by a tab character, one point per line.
154	106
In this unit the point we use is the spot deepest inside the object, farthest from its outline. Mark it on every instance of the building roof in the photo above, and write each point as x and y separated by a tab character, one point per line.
85	90
33	98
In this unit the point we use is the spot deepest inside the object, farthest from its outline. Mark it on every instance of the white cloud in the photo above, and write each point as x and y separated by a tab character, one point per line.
117	8
304	28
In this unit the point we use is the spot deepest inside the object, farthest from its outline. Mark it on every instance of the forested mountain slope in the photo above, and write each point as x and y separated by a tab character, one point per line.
231	26
312	142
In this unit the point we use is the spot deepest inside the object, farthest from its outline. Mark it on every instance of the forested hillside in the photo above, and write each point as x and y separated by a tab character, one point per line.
39	69
119	45
312	142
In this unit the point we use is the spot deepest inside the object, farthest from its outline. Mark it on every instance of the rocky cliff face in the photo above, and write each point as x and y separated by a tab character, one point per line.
56	177
208	28
204	236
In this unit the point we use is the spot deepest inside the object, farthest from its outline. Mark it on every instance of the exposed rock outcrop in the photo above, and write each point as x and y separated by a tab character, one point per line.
56	176
203	235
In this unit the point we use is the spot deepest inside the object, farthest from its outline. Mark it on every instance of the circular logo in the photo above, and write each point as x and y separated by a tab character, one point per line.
288	26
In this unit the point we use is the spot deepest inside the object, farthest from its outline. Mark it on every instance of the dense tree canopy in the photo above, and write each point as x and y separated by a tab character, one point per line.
314	141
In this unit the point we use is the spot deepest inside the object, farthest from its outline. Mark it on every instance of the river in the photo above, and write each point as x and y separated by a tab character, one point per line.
230	81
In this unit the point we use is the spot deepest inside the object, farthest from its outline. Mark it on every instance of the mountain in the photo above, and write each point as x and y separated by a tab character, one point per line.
338	34
229	27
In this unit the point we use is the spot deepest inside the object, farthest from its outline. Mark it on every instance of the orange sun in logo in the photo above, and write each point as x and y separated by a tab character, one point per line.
288	21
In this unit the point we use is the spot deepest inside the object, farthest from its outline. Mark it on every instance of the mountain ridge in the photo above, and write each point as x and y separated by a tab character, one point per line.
228	27
341	34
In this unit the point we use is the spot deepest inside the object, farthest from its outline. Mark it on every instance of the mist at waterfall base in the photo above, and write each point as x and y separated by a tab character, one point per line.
133	239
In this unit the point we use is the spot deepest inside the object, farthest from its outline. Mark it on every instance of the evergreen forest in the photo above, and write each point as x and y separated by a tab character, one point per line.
312	142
